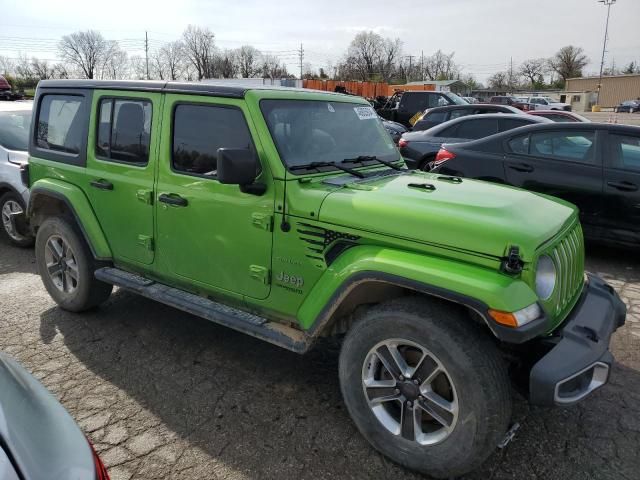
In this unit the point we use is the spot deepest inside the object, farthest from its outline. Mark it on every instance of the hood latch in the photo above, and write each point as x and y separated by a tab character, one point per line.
512	263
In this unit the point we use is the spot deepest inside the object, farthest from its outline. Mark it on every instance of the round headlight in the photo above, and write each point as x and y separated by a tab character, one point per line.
545	277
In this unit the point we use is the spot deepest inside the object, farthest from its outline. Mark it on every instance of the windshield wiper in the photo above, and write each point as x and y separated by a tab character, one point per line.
366	158
337	165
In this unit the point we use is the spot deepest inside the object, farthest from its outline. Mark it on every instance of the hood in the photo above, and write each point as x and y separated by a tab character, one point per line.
469	215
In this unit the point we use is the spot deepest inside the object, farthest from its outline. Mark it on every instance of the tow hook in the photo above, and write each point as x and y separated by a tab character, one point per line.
509	435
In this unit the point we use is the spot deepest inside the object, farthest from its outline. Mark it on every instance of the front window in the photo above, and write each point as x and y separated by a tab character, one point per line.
14	130
455	99
307	131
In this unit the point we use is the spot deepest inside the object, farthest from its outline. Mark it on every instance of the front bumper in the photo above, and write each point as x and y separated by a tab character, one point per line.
579	361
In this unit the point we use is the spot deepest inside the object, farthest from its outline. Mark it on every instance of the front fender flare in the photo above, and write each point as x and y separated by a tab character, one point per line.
476	287
78	204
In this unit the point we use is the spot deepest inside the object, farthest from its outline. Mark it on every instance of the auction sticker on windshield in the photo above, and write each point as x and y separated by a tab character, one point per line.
365	113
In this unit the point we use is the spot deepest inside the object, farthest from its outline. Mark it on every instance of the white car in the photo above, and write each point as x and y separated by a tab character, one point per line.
15	122
548	103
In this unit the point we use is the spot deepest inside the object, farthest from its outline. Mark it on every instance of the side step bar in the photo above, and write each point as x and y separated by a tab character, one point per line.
244	322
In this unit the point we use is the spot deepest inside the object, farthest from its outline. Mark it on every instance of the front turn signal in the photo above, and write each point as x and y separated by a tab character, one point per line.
519	318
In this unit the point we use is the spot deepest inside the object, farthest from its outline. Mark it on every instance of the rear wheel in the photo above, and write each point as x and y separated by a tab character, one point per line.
67	266
14	224
425	386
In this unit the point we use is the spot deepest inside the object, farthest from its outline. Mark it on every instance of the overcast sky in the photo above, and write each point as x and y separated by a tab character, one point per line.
484	35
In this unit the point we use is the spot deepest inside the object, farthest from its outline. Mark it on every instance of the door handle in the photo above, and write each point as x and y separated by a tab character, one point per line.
624	186
173	199
521	167
102	184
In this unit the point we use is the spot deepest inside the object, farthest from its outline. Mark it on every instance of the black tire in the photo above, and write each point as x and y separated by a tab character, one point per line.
21	237
472	362
88	291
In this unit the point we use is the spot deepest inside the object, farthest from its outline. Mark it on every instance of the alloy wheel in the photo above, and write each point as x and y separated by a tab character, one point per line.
10	210
61	263
410	392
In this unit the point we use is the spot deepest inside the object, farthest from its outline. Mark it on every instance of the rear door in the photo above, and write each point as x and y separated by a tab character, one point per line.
565	164
622	188
121	163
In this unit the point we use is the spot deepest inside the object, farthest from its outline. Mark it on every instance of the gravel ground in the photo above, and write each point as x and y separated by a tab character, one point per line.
165	395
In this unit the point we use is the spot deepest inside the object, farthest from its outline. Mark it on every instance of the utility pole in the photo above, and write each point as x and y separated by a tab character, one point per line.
301	54
410	57
608	3
146	51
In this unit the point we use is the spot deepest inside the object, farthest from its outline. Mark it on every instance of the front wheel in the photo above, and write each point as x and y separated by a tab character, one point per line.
425	386
67	266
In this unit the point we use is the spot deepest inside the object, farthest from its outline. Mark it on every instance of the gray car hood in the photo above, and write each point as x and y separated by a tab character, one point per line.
41	437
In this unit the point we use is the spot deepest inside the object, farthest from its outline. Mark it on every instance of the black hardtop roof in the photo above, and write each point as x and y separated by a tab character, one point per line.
194	88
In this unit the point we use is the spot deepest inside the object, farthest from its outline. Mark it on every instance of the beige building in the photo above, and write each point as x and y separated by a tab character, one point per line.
615	89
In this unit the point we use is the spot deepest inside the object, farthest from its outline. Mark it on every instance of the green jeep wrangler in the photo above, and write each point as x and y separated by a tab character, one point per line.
289	215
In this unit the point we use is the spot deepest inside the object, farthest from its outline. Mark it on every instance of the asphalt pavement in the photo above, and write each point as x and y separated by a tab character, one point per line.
165	395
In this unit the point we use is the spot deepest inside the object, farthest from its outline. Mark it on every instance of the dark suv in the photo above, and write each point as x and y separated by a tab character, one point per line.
438	115
414	102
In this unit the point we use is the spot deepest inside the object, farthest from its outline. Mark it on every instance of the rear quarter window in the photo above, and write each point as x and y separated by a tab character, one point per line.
60	130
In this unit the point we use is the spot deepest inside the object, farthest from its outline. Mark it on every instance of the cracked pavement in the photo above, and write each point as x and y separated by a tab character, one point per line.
165	395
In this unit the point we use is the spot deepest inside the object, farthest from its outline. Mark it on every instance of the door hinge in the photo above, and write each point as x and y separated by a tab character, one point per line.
145	196
145	241
260	274
262	221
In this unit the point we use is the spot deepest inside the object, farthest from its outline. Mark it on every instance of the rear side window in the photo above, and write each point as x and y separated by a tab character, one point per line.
477	128
124	130
436	117
626	152
200	130
519	144
574	146
60	124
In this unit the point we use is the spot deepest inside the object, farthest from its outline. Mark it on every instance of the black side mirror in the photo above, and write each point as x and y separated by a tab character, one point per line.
237	166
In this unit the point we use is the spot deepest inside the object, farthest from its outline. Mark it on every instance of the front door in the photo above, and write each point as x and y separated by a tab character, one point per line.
622	187
562	163
121	161
211	235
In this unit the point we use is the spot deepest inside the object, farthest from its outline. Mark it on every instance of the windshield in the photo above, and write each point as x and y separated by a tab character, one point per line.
456	99
306	131
14	130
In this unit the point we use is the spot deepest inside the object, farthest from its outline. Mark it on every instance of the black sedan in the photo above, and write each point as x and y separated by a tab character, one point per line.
419	149
436	116
595	166
630	106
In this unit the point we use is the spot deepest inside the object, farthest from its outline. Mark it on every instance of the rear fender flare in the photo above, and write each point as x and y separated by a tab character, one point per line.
78	204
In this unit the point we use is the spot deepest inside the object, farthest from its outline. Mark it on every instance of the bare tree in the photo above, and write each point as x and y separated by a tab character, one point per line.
6	65
116	64
23	67
88	51
371	57
137	67
499	80
199	49
226	65
172	57
441	66
60	70
248	59
533	69
470	81
41	69
568	62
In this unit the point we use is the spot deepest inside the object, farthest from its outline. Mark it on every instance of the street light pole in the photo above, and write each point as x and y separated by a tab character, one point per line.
608	3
